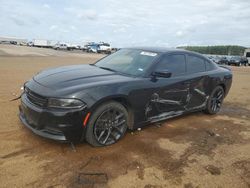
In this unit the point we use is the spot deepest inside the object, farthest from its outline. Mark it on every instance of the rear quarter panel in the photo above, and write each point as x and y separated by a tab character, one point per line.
221	76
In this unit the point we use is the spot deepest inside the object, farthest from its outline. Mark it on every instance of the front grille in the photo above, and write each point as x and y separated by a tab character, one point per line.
35	98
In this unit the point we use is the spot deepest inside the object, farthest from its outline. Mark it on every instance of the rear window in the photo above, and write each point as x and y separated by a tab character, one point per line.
195	64
209	66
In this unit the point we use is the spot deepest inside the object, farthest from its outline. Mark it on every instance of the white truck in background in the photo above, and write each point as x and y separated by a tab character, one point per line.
247	55
41	43
100	47
104	48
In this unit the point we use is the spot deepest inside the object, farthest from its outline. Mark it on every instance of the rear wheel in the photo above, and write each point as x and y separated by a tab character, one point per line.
107	124
215	100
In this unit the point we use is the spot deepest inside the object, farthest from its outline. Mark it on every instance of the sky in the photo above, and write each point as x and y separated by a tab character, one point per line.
166	23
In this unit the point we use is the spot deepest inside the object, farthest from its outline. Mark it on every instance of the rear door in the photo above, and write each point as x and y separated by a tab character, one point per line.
197	77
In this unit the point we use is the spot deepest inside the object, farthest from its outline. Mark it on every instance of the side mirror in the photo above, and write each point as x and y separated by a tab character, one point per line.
163	74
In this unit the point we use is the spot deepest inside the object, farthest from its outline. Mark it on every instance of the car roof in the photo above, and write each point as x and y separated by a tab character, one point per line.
156	49
165	50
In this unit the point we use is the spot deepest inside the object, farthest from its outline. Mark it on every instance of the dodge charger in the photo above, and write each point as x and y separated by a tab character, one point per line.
128	89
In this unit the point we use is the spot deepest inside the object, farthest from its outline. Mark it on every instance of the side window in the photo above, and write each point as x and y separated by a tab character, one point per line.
195	64
176	64
209	66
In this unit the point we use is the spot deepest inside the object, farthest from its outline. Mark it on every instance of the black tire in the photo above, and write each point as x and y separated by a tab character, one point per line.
215	100
107	124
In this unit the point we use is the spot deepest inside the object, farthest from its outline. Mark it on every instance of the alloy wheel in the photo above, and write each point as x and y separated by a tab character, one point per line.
217	100
110	126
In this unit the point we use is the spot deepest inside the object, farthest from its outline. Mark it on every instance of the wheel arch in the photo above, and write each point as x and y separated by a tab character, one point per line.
122	99
223	86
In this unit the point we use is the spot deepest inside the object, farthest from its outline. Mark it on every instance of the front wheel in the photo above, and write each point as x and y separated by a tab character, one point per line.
215	100
107	124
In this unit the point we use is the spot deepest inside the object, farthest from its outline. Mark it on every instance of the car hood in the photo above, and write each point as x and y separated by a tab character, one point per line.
77	76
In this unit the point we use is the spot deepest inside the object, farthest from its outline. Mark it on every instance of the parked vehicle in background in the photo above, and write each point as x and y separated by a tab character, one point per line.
245	61
104	48
23	43
60	46
100	47
41	43
213	58
84	48
247	55
30	44
223	60
8	42
92	48
13	42
238	61
73	47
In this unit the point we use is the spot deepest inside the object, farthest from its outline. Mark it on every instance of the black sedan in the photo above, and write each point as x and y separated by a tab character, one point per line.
128	89
223	61
238	61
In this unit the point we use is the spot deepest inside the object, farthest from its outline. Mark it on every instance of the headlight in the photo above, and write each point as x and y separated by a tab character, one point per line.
65	103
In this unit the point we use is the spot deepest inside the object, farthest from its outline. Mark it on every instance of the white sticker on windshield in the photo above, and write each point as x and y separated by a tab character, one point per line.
149	53
140	69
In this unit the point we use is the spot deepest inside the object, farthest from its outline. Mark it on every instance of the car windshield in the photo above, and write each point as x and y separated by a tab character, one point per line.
128	61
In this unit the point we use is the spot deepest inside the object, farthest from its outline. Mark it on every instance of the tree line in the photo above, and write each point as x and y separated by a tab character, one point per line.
217	50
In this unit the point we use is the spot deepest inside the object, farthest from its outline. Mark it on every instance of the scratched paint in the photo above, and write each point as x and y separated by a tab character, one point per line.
156	99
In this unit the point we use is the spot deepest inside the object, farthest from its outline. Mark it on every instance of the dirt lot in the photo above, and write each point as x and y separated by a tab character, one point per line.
195	150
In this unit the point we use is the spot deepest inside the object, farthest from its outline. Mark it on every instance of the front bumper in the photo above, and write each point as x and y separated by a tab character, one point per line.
55	124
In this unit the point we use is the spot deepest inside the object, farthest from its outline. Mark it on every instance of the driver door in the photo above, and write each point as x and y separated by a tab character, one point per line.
170	97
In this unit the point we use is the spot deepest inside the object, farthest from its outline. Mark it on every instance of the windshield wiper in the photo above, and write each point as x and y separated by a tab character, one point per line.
106	68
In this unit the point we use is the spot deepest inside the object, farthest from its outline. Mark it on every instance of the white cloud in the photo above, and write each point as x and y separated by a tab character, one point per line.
120	30
131	22
88	14
72	27
46	6
65	31
53	27
17	20
179	33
